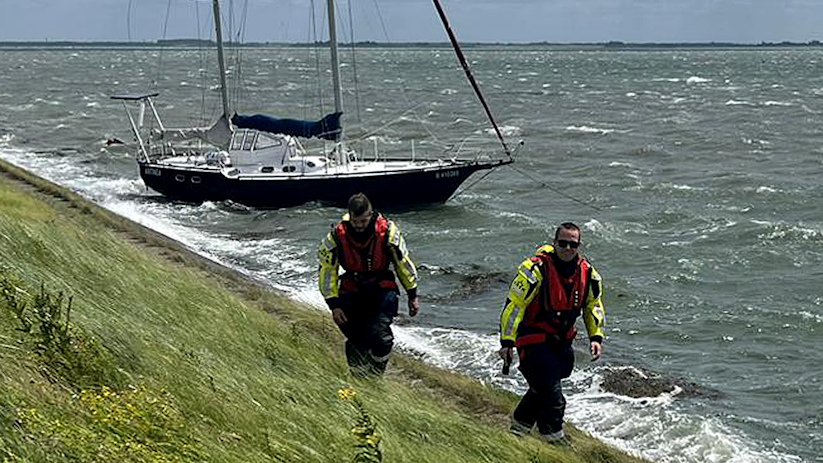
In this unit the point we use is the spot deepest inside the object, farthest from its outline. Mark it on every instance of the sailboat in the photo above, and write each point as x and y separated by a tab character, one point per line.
259	161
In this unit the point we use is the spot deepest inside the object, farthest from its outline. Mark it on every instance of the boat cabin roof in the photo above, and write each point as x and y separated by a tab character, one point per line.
250	139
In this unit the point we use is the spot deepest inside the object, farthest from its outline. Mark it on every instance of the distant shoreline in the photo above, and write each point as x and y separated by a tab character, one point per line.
613	45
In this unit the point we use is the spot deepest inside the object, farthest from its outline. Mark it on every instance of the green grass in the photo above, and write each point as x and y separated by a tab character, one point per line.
118	345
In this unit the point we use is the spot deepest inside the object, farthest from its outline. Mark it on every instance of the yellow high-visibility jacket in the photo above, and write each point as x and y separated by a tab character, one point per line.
527	285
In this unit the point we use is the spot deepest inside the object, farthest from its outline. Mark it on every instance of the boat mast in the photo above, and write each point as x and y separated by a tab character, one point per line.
335	63
220	62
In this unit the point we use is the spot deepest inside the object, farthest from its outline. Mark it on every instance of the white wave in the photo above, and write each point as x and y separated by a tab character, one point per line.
48	102
818	318
697	80
676	186
738	103
460	120
384	139
656	428
20	107
594	226
754	141
289	87
620	164
778	103
588	129
805	233
506	130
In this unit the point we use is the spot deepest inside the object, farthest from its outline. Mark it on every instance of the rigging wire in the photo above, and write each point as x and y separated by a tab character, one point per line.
465	189
469	75
202	58
240	38
545	185
435	140
403	89
313	39
128	32
354	65
128	21
163	33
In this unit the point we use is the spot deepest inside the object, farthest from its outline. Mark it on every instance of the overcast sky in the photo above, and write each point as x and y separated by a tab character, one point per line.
744	21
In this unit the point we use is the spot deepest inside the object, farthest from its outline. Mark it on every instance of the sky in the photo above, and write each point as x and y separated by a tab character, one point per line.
518	21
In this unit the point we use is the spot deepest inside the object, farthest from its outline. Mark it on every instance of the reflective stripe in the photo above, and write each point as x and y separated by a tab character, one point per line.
553	437
379	359
528	272
395	237
327	285
409	268
508	332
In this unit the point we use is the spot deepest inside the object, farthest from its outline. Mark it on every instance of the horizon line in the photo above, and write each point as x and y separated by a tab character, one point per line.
610	44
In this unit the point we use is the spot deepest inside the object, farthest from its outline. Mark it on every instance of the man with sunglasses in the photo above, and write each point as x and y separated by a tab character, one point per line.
550	291
364	300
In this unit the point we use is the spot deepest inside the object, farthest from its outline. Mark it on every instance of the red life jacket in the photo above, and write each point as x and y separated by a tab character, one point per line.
366	264
551	315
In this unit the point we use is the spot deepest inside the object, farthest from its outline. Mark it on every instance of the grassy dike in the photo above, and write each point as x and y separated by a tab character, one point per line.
117	344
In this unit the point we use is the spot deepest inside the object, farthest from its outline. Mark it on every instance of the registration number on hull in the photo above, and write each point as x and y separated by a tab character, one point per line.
152	171
447	174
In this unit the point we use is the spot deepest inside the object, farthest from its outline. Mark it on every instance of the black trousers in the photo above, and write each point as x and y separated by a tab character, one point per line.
369	338
544	366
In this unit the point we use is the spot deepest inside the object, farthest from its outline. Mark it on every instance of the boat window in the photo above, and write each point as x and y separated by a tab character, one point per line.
196	179
237	141
249	141
267	169
180	177
289	168
310	164
264	141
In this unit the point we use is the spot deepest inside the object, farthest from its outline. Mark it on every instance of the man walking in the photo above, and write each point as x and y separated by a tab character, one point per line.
550	291
364	300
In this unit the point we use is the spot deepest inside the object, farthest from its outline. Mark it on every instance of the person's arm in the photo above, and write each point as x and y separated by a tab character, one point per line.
594	315
405	268
328	276
522	291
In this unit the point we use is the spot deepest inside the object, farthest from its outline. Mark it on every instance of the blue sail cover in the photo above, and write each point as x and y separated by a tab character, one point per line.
327	128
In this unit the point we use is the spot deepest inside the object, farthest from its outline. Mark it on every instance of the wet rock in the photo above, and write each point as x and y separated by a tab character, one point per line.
465	282
634	382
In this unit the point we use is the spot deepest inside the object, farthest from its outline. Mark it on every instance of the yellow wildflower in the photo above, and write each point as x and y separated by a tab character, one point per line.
373	440
346	393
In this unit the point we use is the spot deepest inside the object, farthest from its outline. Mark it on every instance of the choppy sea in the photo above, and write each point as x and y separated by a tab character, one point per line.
696	176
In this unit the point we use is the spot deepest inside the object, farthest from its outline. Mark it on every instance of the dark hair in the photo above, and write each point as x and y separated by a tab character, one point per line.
359	204
567	226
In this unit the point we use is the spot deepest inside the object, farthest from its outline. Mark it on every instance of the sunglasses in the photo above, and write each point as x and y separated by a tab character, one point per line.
568	244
